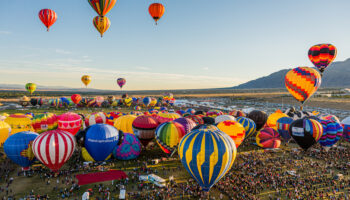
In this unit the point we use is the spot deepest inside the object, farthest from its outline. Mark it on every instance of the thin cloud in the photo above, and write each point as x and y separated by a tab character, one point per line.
5	32
143	68
61	51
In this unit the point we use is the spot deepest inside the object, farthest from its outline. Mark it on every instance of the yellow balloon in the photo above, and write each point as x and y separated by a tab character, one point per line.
124	123
31	87
233	129
101	24
19	123
86	79
128	101
5	131
272	119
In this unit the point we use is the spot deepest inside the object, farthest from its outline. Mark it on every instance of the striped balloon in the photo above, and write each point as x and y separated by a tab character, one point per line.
332	132
306	132
282	126
321	55
101	24
302	82
48	17
44	122
346	128
233	129
102	7
268	138
95	118
207	154
248	124
168	136
54	148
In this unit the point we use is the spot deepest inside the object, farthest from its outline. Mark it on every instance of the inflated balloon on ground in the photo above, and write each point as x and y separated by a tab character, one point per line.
129	149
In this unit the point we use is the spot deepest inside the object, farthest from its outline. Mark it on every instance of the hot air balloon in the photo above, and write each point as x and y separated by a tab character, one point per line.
31	87
19	123
95	118
137	108
282	126
146	101
65	102
268	138
34	101
44	122
121	82
248	124
102	7
144	128
48	17
128	101
168	136
54	148
330	117
112	117
222	118
187	123
259	117
76	98
156	10
86	79
101	24
124	123
332	132
167	117
207	154
272	119
237	113
87	157
322	55
306	132
100	140
233	129
196	118
346	128
129	149
18	148
302	83
191	111
40	101
295	114
5	131
214	113
69	122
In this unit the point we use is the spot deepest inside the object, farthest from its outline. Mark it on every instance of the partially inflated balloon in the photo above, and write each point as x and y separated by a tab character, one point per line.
95	118
222	118
282	126
156	10
121	82
48	17
259	117
86	79
306	132
102	7
44	122
31	87
129	149
19	123
168	136
332	132
322	55
101	24
268	138
272	119
302	82
124	123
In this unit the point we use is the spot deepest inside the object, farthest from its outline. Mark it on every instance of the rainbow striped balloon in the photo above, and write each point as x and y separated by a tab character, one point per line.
302	82
207	154
168	136
248	124
282	125
332	132
268	138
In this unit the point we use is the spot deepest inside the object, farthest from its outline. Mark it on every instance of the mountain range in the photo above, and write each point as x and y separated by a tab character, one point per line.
337	75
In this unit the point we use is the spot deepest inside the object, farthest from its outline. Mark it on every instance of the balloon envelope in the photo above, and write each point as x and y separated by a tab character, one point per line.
248	124
268	138
322	55
129	149
69	122
168	136
306	132
259	117
233	129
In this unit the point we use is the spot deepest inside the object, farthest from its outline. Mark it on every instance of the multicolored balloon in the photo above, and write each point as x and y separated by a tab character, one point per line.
272	119
54	148
207	154
196	118
168	136
332	132
144	128
167	117
101	24
121	82
322	55
282	126
156	10
95	118
187	123
102	7
268	138
18	148
48	17
222	118
302	83
31	87
44	122
306	132
129	149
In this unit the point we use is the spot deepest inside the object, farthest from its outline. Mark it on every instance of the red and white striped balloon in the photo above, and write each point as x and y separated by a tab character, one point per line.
54	148
95	118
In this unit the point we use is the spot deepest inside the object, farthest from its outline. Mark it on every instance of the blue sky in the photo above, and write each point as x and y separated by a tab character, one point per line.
197	44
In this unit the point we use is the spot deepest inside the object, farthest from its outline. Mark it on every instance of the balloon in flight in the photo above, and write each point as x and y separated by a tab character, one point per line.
48	17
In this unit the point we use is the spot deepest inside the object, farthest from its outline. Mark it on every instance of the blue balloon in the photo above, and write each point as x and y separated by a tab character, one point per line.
100	140
282	125
146	101
129	149
18	148
163	109
65	101
191	111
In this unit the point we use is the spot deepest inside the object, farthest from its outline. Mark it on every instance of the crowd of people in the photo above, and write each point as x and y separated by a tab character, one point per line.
286	174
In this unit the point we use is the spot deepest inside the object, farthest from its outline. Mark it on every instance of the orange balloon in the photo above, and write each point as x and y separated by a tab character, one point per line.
156	10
